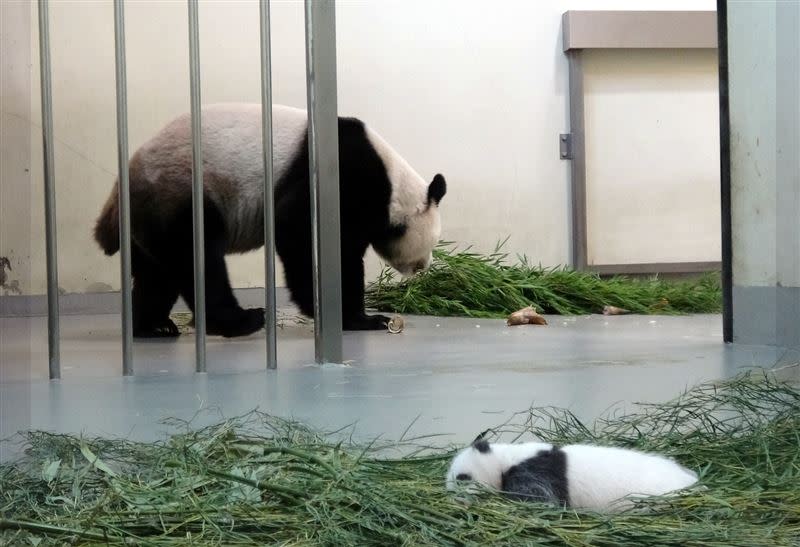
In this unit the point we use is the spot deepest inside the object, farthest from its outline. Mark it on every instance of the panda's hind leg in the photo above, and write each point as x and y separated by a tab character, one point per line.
154	294
224	316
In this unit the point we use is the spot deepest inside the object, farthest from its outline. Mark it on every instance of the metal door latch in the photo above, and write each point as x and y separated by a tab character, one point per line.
565	146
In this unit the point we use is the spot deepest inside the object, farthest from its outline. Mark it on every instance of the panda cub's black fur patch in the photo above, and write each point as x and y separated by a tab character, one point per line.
482	446
540	478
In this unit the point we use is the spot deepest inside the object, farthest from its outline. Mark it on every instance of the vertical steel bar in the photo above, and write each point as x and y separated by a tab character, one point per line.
197	192
578	167
725	173
51	242
124	187
323	130
269	194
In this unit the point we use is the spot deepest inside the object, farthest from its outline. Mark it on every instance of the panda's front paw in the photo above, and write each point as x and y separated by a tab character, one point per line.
366	322
158	329
234	322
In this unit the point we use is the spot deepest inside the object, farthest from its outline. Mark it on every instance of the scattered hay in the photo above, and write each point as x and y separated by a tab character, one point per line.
286	319
183	320
463	283
259	480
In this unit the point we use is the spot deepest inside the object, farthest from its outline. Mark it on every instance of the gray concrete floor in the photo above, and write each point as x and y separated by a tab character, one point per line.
455	377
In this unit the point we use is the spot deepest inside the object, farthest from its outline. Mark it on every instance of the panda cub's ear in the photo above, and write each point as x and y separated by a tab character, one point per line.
482	435
481	444
436	190
482	447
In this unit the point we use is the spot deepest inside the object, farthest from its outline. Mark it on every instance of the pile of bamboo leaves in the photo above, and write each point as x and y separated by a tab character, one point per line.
469	284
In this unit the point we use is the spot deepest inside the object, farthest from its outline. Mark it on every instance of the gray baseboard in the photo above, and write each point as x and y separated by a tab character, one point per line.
767	316
109	303
656	268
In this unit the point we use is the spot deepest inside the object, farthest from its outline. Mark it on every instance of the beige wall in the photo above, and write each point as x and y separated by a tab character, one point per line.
652	156
15	144
475	90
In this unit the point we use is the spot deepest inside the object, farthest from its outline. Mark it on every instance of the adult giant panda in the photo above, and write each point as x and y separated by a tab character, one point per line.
383	202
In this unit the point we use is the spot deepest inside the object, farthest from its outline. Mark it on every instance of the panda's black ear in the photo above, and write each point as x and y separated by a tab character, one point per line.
482	447
437	189
480	444
482	435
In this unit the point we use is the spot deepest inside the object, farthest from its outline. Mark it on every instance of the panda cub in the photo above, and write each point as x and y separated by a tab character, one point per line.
384	203
580	476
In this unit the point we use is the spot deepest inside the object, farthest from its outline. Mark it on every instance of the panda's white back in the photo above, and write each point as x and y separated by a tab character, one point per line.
232	160
598	477
231	138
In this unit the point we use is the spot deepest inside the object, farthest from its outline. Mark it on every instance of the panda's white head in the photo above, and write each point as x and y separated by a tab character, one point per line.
414	219
485	463
476	464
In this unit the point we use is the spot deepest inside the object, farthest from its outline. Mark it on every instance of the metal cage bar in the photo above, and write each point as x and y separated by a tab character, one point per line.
124	188
53	339
725	173
269	183
323	134
197	192
324	183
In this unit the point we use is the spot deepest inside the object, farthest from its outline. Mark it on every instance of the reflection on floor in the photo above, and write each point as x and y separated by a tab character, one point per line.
453	376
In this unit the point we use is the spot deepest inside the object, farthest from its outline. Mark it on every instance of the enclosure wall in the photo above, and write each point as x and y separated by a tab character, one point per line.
477	94
16	134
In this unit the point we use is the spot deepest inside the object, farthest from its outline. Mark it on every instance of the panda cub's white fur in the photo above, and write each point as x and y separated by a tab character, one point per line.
580	476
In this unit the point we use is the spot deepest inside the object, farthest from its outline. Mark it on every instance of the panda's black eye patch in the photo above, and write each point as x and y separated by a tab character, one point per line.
463	477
